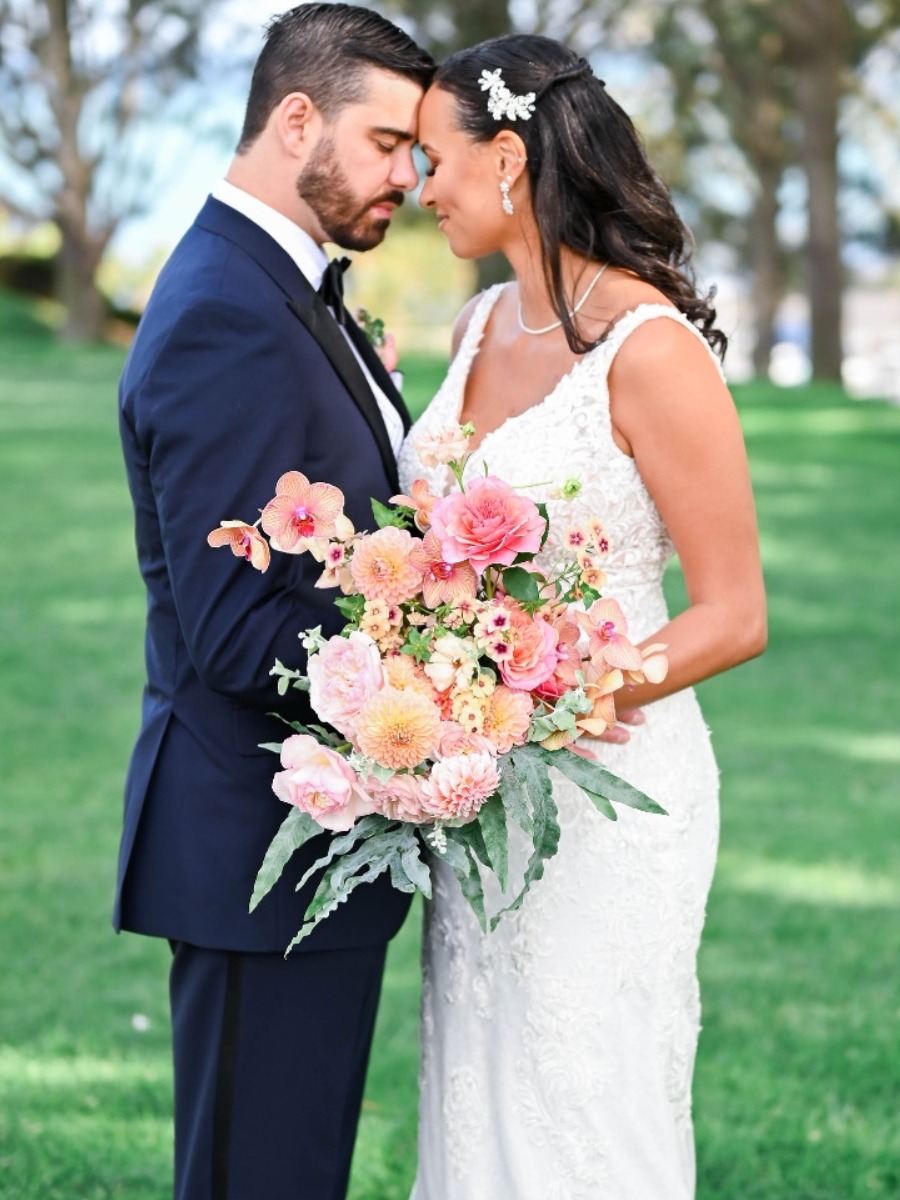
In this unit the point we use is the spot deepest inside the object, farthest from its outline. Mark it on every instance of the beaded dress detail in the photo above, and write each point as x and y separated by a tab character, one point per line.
558	1051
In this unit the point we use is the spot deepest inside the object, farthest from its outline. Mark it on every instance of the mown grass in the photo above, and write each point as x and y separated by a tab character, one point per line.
799	1069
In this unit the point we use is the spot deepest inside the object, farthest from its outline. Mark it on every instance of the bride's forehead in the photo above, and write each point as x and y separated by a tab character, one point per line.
438	109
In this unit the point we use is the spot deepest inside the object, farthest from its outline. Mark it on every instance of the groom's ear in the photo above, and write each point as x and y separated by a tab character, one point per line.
297	123
509	155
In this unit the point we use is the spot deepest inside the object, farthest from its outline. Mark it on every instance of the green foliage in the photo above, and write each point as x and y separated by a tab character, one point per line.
295	831
795	1095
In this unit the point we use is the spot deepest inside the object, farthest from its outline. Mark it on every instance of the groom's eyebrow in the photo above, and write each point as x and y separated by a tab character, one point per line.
402	135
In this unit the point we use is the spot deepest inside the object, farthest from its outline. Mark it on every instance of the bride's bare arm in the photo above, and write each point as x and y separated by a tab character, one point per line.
675	416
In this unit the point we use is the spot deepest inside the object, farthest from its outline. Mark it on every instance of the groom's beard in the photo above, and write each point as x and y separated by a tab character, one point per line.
344	218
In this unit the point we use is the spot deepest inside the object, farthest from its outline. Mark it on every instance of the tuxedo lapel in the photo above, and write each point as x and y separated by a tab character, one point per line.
323	327
377	369
305	302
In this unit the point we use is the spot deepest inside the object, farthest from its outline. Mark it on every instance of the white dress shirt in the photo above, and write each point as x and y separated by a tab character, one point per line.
312	260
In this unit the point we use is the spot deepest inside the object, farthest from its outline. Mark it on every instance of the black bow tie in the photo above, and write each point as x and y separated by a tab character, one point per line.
331	289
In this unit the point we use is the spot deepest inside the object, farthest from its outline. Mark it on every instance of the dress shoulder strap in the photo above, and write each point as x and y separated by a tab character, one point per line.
640	315
471	339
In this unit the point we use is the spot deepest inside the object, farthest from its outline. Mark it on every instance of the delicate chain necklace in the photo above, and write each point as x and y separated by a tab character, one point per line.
556	324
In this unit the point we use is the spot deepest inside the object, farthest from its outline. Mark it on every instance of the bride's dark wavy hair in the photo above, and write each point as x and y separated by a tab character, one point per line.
593	188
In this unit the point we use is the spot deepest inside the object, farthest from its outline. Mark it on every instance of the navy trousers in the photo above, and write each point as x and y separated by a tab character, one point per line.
270	1063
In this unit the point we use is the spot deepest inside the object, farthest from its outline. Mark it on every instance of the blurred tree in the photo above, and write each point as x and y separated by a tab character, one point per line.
83	87
728	64
779	75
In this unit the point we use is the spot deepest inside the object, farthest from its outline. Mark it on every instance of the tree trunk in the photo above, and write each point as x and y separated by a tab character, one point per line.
818	96
765	255
77	290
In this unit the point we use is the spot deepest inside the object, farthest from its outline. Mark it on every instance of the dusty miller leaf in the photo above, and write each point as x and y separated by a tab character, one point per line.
295	830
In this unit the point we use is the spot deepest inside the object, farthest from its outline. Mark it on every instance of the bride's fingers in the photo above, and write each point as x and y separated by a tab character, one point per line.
617	735
632	716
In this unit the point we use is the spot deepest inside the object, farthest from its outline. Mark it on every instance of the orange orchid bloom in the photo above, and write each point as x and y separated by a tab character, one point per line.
245	542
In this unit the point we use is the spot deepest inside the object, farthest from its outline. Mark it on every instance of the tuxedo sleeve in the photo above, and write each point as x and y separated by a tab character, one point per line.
224	408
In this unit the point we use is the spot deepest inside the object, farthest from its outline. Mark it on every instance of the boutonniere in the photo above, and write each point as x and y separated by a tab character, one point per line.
384	344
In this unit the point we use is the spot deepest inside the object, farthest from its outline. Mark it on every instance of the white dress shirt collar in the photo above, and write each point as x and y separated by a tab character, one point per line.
294	241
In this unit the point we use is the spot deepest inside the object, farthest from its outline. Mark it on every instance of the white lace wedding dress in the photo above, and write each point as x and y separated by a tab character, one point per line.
557	1052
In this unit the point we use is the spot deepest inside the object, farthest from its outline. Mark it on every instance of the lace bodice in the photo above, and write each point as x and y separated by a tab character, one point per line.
568	435
557	1051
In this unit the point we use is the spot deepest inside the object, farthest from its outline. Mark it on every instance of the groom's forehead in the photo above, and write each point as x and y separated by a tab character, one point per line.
389	104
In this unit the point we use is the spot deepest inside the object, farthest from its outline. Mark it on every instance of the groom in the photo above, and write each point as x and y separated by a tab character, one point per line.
242	369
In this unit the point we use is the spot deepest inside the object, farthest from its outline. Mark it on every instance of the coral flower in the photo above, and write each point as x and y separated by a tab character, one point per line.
606	625
568	662
442	582
301	512
403	672
381	566
488	524
245	542
507	719
533	655
421	501
397	728
600	688
459	785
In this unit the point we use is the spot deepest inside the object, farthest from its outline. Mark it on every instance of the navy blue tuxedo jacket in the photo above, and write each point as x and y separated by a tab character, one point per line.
237	374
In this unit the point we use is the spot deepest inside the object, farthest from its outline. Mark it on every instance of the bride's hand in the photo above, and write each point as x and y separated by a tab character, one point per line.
618	735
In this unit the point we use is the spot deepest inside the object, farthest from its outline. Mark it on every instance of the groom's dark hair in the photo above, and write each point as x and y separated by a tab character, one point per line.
325	51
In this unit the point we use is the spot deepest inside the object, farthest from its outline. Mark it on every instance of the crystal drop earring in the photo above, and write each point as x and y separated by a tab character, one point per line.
505	201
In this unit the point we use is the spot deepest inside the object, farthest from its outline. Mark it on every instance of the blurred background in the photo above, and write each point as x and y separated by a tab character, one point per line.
776	125
775	122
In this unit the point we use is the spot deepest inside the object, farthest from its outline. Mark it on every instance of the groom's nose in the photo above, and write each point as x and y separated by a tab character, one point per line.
403	168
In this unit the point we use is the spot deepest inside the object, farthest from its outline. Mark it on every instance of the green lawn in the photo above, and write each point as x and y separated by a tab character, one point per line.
799	1073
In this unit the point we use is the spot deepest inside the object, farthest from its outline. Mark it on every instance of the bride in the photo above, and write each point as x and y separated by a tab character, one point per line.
558	1051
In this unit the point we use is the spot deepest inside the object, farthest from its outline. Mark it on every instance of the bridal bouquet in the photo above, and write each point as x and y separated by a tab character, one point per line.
461	676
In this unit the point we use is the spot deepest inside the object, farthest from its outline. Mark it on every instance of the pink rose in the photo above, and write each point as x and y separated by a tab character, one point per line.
343	675
455	740
488	524
400	799
321	783
459	785
532	654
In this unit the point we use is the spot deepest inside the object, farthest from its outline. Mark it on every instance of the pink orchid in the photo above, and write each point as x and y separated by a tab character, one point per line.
421	501
607	627
245	542
442	582
301	513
